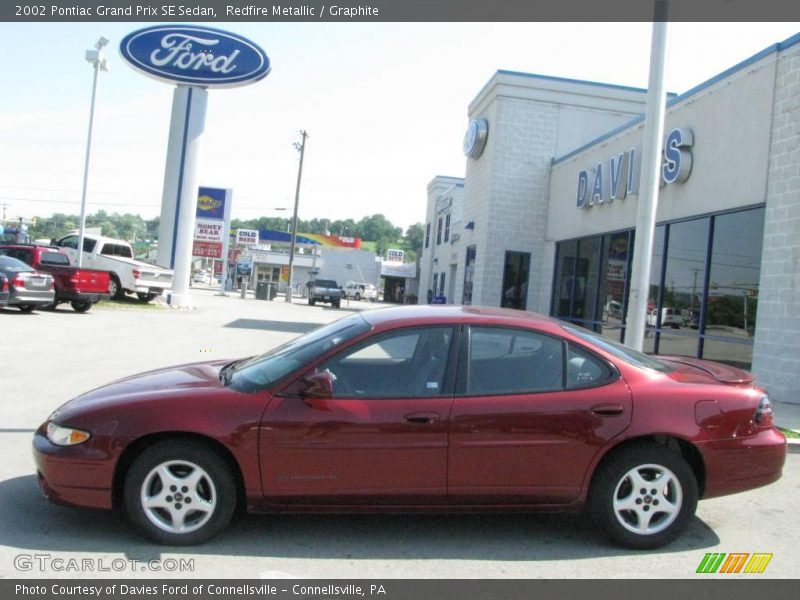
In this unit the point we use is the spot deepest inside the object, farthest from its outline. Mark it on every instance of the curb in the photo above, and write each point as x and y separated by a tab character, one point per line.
792	444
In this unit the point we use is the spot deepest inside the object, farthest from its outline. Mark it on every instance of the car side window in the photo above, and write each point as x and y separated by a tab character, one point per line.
513	361
401	364
70	242
584	369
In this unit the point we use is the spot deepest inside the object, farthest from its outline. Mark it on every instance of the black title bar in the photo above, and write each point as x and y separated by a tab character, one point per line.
211	11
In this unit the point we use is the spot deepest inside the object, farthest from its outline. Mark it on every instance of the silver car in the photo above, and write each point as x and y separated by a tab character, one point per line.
27	288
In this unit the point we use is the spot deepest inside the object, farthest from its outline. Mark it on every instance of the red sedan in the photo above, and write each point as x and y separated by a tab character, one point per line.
432	408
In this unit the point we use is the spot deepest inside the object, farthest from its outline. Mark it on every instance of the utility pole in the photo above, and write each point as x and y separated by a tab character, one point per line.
302	148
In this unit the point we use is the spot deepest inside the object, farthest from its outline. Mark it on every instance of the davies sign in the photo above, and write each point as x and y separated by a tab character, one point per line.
193	55
617	178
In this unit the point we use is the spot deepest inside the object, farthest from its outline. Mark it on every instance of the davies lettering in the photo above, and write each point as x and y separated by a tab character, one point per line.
598	186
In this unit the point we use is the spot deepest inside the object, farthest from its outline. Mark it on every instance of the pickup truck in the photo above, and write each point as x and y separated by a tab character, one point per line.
116	256
324	290
80	287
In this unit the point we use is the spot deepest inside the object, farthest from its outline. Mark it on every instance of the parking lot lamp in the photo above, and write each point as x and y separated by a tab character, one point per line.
99	63
301	147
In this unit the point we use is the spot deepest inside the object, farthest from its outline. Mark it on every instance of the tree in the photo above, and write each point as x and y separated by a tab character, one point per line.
415	236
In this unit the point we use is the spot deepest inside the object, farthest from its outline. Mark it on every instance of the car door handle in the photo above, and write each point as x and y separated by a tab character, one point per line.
608	410
421	418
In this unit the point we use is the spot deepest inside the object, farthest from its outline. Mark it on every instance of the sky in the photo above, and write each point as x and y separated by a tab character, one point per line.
384	104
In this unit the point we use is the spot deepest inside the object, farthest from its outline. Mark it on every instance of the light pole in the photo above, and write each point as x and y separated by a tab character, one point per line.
302	148
99	63
636	322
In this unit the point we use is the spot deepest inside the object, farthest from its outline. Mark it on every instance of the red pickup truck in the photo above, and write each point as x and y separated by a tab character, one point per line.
80	287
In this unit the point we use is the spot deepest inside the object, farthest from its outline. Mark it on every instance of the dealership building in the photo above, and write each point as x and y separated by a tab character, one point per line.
544	217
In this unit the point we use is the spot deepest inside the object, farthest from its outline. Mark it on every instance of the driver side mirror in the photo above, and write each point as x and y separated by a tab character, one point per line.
318	386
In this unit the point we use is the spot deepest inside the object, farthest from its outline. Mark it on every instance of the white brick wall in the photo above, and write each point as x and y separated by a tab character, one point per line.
507	188
776	355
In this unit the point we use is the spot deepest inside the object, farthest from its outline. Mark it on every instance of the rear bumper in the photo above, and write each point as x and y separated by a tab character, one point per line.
37	298
737	465
71	296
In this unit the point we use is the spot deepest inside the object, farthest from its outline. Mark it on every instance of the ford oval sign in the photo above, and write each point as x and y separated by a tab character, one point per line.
194	55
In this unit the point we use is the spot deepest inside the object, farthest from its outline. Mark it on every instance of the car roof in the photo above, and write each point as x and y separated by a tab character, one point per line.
449	313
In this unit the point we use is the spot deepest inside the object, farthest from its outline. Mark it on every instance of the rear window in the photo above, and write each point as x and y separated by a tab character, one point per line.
54	258
327	283
116	250
629	355
23	254
12	264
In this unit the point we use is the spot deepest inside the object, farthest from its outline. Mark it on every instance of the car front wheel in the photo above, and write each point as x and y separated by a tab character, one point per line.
644	496
180	493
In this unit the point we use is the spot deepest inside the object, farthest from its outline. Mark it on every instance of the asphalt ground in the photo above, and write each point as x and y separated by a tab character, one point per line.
47	358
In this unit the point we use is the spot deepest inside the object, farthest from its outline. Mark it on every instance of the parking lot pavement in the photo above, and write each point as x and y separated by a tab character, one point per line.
48	358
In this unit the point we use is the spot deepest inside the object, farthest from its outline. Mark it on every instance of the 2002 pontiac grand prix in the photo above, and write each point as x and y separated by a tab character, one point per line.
436	408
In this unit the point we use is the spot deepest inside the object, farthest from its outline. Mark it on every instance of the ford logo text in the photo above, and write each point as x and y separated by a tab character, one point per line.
194	55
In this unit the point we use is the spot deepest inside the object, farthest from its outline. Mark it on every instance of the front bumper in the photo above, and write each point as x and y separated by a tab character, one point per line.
79	475
736	465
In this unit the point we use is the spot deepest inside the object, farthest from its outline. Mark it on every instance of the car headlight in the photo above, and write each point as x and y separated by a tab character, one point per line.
66	436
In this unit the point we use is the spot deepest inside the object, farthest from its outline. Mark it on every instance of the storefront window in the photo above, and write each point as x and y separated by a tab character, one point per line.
682	296
515	280
614	271
653	293
469	274
732	301
584	301
565	279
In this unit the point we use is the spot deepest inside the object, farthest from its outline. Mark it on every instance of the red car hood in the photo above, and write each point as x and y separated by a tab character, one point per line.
697	370
193	378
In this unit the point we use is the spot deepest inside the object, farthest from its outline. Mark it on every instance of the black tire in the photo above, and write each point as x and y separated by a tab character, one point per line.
658	511
337	304
80	306
207	505
358	297
26	308
115	288
146	297
311	301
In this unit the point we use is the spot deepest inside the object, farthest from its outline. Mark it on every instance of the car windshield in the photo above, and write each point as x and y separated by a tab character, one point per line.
629	355
259	372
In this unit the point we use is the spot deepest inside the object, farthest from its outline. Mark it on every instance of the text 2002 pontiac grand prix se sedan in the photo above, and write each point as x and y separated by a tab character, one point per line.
417	408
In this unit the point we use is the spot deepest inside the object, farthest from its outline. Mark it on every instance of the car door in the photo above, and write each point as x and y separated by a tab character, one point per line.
531	411
380	438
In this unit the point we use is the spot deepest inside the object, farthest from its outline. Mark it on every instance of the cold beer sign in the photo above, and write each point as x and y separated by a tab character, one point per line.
246	237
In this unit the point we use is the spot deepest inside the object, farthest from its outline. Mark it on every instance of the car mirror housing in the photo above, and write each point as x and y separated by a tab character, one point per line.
318	386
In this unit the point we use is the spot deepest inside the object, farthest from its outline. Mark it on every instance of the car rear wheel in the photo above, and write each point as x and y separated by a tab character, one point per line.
180	493
358	297
146	297
644	496
80	306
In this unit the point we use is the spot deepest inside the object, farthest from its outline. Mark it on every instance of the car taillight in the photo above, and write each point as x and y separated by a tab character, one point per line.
763	416
4	286
52	284
18	281
137	273
75	280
